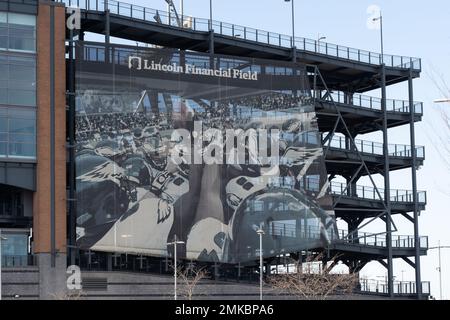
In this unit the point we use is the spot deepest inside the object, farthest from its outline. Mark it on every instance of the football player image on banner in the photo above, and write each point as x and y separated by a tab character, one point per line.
205	149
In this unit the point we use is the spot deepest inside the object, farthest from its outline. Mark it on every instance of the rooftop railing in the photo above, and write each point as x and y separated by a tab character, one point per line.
373	103
246	33
15	261
313	232
395	150
379	240
370	193
400	287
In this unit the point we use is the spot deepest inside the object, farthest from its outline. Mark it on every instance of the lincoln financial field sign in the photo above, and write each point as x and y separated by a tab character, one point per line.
204	148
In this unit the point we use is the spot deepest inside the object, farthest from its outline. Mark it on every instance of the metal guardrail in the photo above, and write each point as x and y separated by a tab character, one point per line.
373	103
395	150
379	240
399	288
370	193
14	261
246	33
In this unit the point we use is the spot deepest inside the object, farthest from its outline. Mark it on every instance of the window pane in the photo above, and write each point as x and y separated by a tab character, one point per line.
4	72
23	32
3	125
3	146
3	18
22	126
22	61
22	97
29	85
3	42
3	96
3	136
21	19
22	44
23	73
21	138
22	149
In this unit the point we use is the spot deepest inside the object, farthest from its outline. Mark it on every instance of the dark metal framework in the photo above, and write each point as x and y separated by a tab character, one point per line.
325	71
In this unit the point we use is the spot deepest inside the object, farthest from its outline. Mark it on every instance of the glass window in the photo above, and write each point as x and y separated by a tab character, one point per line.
21	43
3	17
22	97
14	249
17	132
3	96
3	146
21	19
17	79
18	32
22	125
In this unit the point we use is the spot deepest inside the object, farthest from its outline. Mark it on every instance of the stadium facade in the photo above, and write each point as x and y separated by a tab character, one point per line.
204	135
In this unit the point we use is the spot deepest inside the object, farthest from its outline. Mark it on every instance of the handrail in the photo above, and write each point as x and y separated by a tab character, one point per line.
246	33
373	103
278	228
371	147
399	288
379	240
365	192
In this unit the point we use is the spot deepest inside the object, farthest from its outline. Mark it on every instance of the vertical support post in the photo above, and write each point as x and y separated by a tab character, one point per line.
107	24
387	197
175	268
414	186
72	212
107	32
1	264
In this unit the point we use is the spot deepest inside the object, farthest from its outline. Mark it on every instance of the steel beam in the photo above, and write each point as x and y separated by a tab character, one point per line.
414	187
387	197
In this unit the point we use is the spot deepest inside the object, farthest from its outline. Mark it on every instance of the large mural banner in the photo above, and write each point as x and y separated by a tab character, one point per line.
204	149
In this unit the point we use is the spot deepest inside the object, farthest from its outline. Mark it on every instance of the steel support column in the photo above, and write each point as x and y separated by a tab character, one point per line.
72	208
414	187
211	41
387	183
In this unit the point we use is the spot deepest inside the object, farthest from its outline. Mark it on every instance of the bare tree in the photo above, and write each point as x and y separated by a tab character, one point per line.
70	295
190	277
314	281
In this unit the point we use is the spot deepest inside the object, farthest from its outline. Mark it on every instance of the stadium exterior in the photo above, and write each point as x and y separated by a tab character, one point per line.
51	131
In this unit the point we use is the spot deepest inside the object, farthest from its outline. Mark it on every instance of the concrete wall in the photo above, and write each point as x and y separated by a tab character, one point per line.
23	282
122	285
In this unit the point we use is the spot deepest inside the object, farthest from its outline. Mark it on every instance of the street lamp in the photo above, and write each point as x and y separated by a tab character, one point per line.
444	100
294	49
174	243
260	232
439	247
1	239
318	41
380	18
210	15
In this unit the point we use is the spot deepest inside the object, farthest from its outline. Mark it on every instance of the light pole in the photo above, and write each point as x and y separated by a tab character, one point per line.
444	100
318	41
210	15
174	243
380	18
1	239
260	232
439	247
294	49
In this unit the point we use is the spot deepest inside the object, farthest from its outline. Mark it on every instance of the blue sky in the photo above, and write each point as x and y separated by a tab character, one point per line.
411	28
